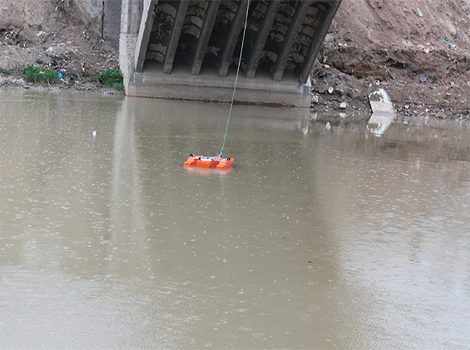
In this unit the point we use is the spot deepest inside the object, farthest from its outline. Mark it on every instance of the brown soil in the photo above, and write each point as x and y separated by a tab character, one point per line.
52	34
391	44
395	44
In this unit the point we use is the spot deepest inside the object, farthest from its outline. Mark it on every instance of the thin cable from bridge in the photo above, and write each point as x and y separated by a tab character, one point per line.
236	78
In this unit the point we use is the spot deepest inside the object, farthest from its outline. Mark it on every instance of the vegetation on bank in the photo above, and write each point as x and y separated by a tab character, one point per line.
40	75
111	78
5	72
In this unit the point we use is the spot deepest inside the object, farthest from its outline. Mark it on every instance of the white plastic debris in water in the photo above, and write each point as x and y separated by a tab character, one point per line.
383	112
94	134
330	90
381	103
328	126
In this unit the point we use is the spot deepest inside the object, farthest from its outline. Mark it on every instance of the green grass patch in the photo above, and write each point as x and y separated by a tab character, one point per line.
5	72
111	78
40	75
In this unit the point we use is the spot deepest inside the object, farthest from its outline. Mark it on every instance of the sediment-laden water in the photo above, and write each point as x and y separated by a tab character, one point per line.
315	239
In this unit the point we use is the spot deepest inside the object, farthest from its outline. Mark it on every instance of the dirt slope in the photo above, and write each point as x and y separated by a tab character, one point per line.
51	33
397	44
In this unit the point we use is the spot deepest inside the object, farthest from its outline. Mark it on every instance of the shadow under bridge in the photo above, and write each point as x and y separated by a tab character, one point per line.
190	49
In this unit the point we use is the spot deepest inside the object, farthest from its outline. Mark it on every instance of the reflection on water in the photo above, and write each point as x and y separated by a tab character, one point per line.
315	239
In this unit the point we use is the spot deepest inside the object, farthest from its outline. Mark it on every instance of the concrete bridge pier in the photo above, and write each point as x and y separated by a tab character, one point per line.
183	49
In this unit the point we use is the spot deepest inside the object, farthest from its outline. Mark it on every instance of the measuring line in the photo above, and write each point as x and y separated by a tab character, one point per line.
236	78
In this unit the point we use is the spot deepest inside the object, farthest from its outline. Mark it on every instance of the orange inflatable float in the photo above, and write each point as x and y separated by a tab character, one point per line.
216	162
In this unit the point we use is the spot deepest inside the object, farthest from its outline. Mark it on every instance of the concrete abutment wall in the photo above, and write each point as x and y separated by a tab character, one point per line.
104	16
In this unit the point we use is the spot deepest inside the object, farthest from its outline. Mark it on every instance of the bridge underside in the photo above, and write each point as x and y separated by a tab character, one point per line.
190	49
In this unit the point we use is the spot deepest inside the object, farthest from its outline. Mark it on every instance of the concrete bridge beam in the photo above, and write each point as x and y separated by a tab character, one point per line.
175	36
290	39
235	29
204	36
263	32
148	16
317	40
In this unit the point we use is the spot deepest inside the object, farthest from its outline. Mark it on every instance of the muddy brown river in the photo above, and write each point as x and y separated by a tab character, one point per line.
317	238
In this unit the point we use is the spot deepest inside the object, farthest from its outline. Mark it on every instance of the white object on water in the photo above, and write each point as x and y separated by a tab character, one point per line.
94	134
383	112
328	126
330	90
380	102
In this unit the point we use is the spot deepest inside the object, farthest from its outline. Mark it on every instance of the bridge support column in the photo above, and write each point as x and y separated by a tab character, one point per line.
131	14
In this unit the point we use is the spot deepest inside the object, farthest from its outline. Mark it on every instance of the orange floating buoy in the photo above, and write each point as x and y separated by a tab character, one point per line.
216	162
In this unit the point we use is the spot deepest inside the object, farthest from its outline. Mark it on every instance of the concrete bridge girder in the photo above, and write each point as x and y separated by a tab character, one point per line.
283	37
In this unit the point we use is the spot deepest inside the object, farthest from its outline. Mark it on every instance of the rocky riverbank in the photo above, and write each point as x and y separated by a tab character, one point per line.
416	50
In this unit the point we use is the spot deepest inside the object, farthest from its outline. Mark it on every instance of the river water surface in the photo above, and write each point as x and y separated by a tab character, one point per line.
325	239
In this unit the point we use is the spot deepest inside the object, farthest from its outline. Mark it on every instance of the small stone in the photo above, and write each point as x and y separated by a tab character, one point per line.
407	106
343	105
419	13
